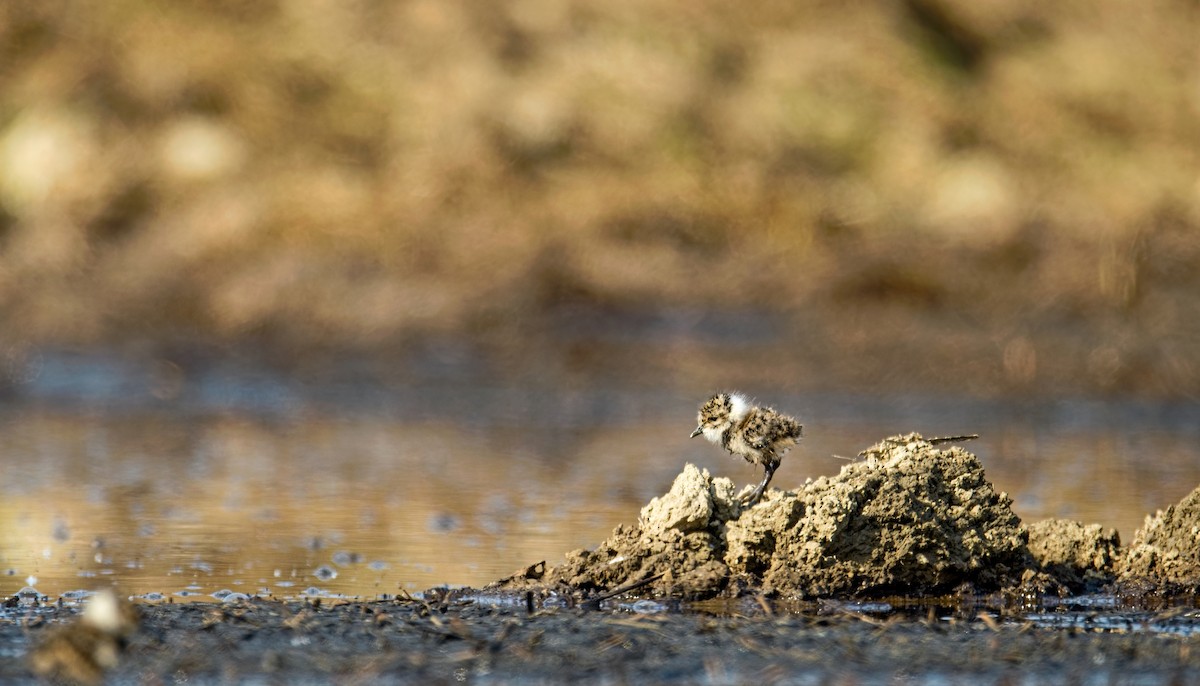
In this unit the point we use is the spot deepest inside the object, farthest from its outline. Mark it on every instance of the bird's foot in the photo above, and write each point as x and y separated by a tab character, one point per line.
751	499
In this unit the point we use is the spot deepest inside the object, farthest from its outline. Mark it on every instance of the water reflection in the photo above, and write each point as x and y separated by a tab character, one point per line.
208	504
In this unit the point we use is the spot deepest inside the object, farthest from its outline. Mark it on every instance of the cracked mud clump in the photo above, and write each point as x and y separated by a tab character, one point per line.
1167	547
909	517
678	535
1082	557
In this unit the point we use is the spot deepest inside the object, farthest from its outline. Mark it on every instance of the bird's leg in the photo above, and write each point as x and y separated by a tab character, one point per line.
769	468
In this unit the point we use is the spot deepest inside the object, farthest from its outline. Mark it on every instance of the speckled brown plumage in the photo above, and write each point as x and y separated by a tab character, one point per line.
760	435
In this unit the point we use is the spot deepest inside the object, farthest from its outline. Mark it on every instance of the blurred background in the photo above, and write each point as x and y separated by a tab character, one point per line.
470	266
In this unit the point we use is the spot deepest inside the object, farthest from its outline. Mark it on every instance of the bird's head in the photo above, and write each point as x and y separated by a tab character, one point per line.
718	414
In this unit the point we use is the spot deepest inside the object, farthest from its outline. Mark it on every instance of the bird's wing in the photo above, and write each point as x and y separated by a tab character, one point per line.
757	430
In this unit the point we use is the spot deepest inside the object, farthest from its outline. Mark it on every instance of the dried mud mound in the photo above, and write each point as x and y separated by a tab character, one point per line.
1167	548
679	535
907	518
1082	557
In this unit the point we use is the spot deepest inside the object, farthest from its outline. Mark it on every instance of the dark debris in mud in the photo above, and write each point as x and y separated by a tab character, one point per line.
433	642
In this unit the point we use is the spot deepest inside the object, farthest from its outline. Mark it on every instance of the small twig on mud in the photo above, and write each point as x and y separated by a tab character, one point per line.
988	620
754	646
457	629
887	625
865	618
646	622
594	603
533	572
611	642
951	439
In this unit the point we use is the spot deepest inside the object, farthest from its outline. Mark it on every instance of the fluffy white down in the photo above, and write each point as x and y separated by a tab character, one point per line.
740	406
713	435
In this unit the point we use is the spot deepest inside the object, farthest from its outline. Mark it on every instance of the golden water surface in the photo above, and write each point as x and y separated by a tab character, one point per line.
186	506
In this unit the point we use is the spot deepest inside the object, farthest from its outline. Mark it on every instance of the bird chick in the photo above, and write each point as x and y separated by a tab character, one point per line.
759	434
81	652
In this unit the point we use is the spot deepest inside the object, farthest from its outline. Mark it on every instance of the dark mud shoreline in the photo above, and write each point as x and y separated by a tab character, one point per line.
801	588
421	642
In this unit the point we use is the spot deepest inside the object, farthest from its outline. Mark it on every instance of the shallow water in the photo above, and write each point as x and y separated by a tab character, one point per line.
252	484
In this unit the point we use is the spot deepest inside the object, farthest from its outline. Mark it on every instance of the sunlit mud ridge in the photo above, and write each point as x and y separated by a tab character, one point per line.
912	516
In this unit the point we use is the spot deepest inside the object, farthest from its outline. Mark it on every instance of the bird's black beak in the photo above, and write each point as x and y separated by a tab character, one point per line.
699	430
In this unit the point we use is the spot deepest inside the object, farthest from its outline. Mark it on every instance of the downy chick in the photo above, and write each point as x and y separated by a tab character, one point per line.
759	434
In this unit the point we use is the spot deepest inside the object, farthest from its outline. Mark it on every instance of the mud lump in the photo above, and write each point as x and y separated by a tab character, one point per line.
907	518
